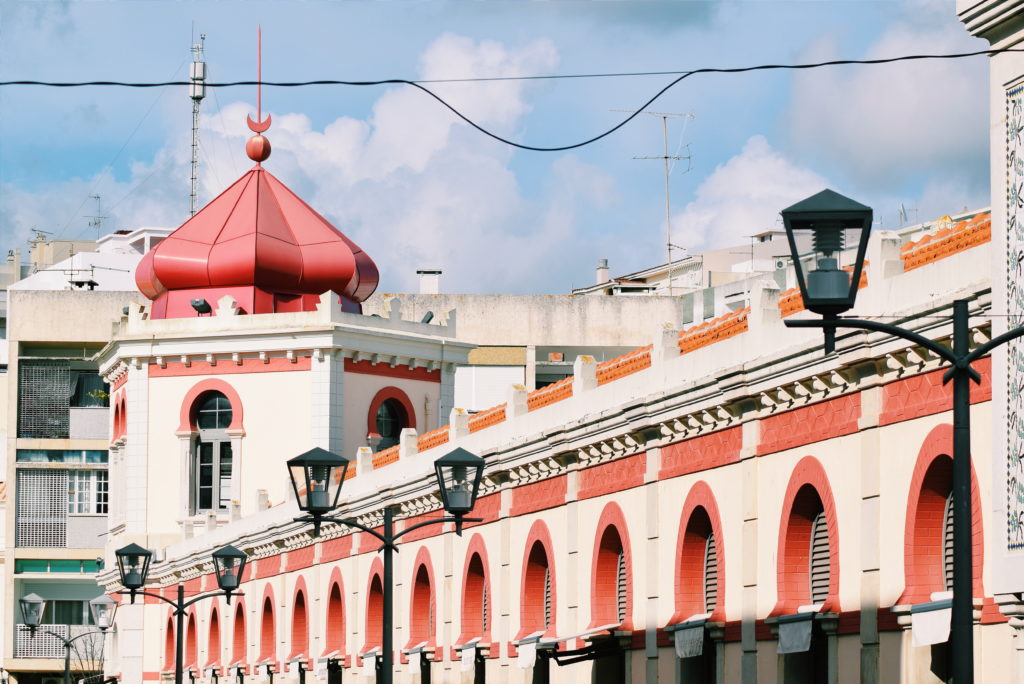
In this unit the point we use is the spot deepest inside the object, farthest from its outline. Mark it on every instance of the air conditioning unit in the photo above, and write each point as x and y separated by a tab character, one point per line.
780	263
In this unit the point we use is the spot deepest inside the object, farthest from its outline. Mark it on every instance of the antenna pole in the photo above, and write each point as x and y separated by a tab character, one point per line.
665	157
196	91
97	220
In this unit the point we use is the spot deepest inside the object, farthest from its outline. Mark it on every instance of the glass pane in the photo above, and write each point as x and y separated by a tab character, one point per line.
90	566
225	474
31	565
61	456
96	456
205	476
214	413
102	489
388	424
57	565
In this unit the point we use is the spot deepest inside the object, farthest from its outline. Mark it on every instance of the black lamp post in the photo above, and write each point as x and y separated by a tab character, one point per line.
102	608
133	565
317	477
830	291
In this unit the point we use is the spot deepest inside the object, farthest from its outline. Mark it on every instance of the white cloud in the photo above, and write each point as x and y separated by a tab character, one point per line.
742	197
885	125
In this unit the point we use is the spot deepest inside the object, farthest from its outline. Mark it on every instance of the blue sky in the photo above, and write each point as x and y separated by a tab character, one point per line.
416	188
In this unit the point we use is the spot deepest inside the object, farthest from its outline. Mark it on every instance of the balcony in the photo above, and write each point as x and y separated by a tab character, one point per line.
44	645
89	422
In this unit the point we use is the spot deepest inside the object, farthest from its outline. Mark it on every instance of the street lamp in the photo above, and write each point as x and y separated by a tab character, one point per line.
102	608
133	566
825	291
317	477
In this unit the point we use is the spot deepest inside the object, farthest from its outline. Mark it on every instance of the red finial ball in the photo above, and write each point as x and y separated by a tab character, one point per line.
258	148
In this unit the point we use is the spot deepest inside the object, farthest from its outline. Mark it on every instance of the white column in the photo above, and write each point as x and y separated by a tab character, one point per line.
326	406
136	467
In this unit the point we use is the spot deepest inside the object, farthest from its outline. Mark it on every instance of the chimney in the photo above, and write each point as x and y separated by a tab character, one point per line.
430	281
602	271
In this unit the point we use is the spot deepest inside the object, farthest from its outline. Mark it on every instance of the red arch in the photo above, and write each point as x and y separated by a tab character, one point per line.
374	606
189	405
238	634
213	638
300	621
267	626
169	645
115	431
124	415
191	641
531	591
923	533
611	530
793	569
422	605
476	585
383	395
334	634
690	547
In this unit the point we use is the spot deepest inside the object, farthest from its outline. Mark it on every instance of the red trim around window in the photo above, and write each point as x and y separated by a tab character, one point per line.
700	515
408	420
190	404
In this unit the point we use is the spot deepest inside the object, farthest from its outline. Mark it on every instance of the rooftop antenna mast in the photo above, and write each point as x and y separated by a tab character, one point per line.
196	91
97	220
666	157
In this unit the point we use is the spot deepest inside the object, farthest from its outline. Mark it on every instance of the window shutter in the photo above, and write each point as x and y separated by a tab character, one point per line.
947	543
620	587
547	597
710	574
483	616
819	559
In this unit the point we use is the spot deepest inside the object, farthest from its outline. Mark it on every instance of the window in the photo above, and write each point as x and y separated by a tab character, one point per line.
23	565
710	574
819	556
61	456
67	613
947	543
212	455
389	423
88	492
88	390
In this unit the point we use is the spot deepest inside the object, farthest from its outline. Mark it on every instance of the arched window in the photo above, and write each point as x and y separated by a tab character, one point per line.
421	627
238	636
335	633
611	581
300	627
538	610
212	458
191	642
267	631
475	601
819	554
807	540
169	646
374	613
390	412
213	654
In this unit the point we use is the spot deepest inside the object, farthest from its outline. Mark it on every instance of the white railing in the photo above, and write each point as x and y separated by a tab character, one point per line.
44	645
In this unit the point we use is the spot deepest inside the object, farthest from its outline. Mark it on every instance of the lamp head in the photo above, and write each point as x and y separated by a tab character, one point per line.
133	566
458	477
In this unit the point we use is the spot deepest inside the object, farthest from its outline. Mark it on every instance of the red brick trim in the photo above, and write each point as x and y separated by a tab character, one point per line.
334	632
699	516
119	383
190	404
612	534
537	496
374	606
701	453
300	621
614	476
228	367
531	590
923	532
808	486
385	370
810	424
474	587
407	420
925	395
422	602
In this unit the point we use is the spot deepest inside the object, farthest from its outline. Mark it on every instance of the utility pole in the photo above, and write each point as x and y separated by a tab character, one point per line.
196	91
666	157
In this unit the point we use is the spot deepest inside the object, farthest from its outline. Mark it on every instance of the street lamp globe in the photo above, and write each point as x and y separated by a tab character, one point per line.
32	608
133	566
229	563
317	476
458	477
826	227
103	609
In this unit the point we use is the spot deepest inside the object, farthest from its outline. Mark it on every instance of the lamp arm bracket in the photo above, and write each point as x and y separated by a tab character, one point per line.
206	595
68	642
875	326
435	521
140	592
349	522
984	349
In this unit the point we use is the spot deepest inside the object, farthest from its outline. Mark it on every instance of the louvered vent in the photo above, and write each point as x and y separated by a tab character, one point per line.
547	597
483	611
819	559
44	395
41	516
947	543
620	587
710	574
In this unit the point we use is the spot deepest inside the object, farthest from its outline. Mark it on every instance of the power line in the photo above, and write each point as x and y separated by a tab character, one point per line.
682	75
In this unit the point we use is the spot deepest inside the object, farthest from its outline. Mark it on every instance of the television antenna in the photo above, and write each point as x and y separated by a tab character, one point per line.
666	158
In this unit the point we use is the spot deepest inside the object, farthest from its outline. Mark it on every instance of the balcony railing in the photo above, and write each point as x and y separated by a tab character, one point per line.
44	645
